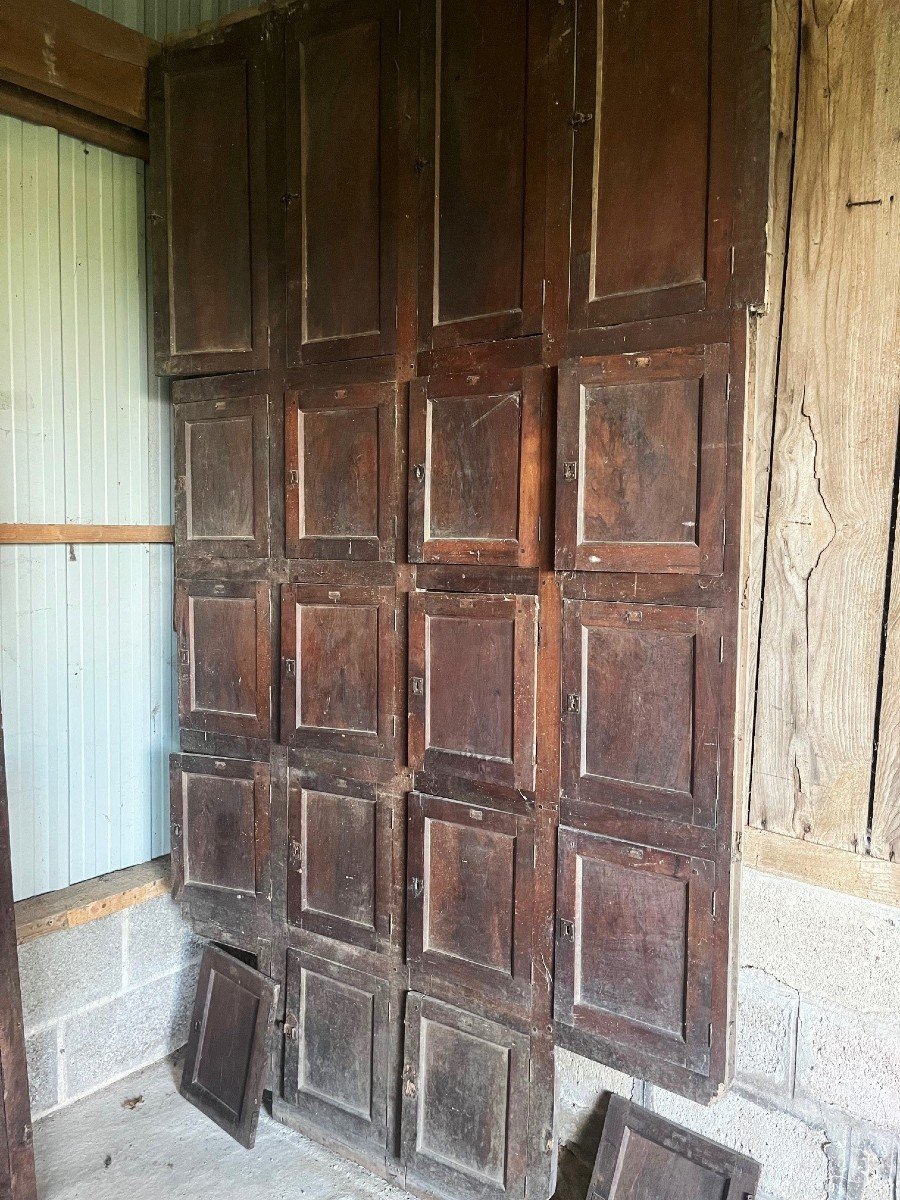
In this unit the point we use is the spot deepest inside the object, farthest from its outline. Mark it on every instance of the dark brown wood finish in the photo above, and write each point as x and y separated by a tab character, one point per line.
642	1154
342	163
341	472
474	450
224	1065
17	1177
208	156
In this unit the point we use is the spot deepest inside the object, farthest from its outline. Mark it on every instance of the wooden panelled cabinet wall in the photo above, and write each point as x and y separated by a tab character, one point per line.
460	293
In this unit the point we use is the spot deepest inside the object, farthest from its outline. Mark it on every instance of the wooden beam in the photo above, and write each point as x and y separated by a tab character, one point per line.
840	870
91	900
75	535
64	51
41	110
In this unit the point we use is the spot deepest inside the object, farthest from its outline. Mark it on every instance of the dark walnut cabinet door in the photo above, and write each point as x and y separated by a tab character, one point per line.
642	691
208	201
465	1102
474	478
341	100
339	669
338	1039
482	168
640	483
341	472
652	146
469	895
224	632
340	859
222	476
471	686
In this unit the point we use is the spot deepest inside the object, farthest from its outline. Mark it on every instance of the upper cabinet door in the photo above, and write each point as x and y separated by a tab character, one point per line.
342	166
640	481
482	167
652	187
208	203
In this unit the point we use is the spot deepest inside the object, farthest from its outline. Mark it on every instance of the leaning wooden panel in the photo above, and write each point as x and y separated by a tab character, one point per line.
465	1100
17	1177
208	105
222	476
653	142
224	659
341	158
643	1155
474	478
471	686
225	1060
341	486
641	700
641	460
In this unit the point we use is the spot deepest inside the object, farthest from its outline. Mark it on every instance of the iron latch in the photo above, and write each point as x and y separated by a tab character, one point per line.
418	686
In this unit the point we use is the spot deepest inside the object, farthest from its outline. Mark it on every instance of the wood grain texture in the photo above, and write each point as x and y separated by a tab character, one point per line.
835	436
886	801
26	105
840	870
78	535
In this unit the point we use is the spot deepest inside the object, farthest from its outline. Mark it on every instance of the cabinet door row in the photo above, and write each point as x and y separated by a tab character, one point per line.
640	470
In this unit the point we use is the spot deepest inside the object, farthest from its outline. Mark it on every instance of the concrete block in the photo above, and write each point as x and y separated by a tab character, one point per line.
766	1033
829	947
794	1155
851	1064
139	1027
158	941
63	972
43	1070
873	1173
582	1091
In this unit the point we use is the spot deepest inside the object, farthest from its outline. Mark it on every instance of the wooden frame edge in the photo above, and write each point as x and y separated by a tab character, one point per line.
86	535
859	875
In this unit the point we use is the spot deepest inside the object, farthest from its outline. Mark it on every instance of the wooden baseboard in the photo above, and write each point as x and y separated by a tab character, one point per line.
86	535
840	870
91	900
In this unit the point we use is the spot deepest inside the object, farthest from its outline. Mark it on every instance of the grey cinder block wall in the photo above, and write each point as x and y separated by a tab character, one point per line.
816	1097
104	999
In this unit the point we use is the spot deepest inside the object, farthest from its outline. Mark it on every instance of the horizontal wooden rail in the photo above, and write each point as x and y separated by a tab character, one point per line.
41	110
87	535
840	870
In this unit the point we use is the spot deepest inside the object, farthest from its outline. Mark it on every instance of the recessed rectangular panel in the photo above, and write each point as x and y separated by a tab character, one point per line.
224	657
341	472
336	1054
474	484
641	703
219	839
225	1060
464	1101
641	461
472	686
222	489
342	145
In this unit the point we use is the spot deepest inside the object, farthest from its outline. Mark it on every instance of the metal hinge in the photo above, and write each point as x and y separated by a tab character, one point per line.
570	470
290	666
573	703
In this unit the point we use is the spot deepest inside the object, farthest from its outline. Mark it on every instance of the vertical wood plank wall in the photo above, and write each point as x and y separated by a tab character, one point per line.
822	576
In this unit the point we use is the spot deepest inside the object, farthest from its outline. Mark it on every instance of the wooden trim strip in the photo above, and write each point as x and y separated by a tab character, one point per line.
840	870
41	110
76	535
62	50
91	900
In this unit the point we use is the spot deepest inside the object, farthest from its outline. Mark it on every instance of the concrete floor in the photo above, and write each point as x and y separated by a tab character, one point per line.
100	1149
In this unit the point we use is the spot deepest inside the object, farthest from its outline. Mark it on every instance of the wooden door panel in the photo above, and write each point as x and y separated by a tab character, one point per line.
224	1066
640	482
342	167
465	1090
642	690
340	862
225	657
337	1048
472	663
482	164
341	472
651	210
633	960
208	203
222	477
470	891
642	1154
474	483
339	648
